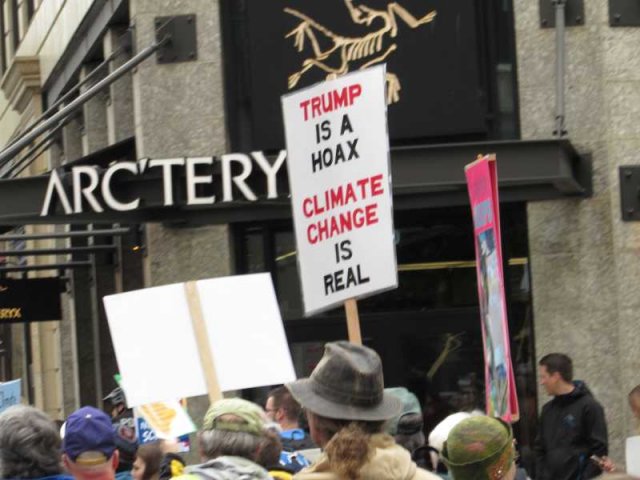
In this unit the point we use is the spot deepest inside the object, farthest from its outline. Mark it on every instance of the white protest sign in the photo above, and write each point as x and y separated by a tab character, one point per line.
338	162
9	394
633	455
166	420
157	352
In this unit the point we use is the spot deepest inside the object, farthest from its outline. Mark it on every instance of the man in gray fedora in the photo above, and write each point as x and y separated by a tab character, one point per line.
347	409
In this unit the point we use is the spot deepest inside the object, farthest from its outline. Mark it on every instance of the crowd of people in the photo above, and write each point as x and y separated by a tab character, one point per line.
355	429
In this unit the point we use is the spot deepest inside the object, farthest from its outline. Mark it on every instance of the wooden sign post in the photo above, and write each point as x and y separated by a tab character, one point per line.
353	321
202	339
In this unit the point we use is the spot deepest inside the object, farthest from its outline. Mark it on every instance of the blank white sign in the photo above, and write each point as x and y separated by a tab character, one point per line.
155	345
633	456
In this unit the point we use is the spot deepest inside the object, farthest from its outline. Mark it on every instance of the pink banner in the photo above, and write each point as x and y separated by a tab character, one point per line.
501	397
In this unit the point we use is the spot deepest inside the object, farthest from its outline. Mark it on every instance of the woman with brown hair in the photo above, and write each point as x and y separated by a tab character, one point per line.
347	408
147	463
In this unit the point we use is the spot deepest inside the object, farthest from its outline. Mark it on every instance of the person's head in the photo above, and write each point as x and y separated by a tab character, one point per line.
146	466
346	404
282	408
116	402
232	426
556	372
406	428
89	445
480	448
29	444
270	450
634	401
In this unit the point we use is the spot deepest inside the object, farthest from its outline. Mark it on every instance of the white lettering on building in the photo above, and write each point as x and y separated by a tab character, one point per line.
236	169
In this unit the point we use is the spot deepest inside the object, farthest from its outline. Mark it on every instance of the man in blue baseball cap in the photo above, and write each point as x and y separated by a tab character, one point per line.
89	445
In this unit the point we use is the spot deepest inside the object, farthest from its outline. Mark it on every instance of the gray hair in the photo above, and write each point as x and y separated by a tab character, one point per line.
216	443
29	444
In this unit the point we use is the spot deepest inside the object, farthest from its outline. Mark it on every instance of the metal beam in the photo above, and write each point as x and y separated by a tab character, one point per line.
25	140
57	251
83	233
49	266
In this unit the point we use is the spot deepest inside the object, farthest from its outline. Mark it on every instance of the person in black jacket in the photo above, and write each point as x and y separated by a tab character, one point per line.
572	425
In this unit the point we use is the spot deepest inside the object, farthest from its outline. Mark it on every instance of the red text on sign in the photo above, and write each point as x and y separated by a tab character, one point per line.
343	195
343	222
330	101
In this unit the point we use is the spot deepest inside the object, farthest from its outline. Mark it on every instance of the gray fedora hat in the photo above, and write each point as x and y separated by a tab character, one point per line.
347	384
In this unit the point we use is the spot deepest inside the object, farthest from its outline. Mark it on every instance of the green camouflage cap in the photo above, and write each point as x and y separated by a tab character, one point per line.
479	448
251	418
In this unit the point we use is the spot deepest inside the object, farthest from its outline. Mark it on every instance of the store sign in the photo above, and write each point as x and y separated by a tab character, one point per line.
340	186
91	189
29	300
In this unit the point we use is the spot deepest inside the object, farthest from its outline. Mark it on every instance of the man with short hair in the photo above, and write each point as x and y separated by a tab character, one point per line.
283	409
232	433
29	445
572	425
89	445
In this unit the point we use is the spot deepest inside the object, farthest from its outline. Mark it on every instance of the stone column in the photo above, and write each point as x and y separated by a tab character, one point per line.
119	111
94	112
179	111
71	139
585	261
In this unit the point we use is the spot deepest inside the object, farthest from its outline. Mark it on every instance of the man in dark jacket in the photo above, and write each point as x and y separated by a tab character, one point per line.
572	426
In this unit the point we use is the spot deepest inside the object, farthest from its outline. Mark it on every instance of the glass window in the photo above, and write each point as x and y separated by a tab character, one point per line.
428	329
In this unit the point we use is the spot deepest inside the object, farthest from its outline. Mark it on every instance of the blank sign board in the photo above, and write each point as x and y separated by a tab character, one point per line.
156	348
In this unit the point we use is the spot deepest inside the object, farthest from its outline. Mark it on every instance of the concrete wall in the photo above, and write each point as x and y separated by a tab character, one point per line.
179	111
584	260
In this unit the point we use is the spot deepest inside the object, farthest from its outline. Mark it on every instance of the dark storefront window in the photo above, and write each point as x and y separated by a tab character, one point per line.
455	74
428	329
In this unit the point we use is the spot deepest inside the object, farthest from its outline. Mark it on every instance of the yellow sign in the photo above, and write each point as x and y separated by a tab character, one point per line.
366	51
10	313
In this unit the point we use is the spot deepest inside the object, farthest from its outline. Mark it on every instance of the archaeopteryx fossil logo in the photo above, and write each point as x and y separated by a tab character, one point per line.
345	53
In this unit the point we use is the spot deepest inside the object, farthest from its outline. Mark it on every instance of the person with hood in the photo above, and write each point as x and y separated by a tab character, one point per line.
572	425
232	433
347	408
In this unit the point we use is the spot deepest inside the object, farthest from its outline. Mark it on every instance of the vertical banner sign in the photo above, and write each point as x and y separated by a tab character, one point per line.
338	162
501	396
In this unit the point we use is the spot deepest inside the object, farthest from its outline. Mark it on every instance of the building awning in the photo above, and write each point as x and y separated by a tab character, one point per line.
423	176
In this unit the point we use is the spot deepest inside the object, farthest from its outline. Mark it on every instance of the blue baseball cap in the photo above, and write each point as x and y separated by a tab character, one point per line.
88	430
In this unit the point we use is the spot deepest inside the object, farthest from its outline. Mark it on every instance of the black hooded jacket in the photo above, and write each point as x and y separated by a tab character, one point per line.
572	427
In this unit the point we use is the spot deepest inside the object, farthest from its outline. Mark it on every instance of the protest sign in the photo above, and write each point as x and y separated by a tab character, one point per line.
338	163
9	394
166	420
633	455
501	396
240	331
